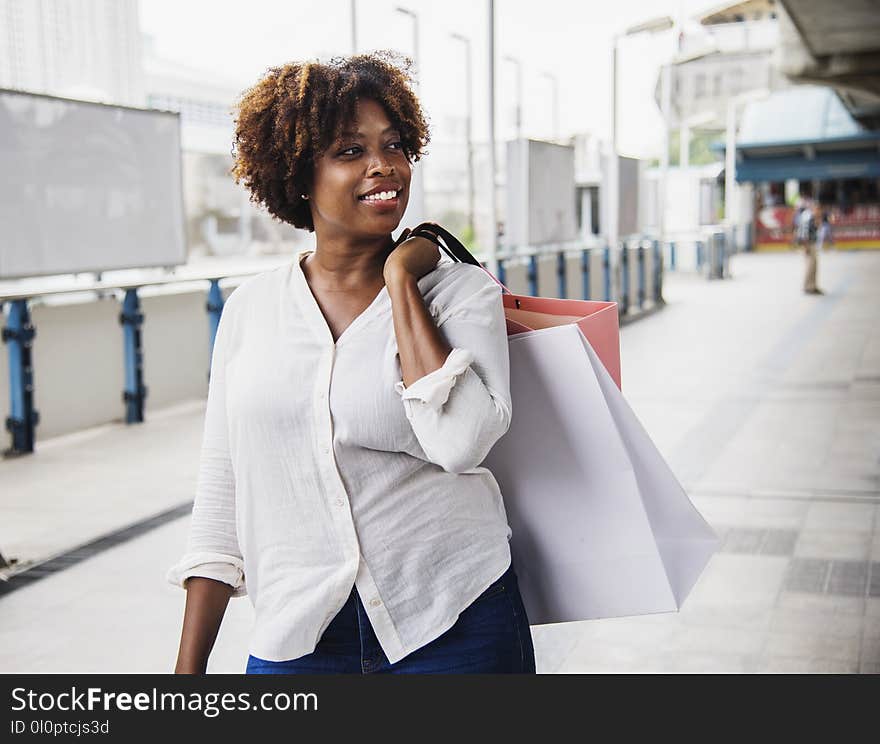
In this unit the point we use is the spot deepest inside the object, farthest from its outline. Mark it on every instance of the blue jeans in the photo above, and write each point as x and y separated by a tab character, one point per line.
491	636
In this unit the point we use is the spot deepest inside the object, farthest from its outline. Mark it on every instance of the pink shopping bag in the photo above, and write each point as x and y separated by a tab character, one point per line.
596	320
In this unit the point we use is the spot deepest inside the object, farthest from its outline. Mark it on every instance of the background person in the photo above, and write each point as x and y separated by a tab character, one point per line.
806	232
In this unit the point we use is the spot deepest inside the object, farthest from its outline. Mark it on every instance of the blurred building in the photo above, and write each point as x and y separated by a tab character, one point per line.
730	52
724	56
590	164
84	49
93	50
220	218
636	200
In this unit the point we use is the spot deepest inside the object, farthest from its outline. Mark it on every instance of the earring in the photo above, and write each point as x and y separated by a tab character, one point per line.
304	196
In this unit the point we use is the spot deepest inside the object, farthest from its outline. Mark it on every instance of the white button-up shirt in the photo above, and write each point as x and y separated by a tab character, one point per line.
319	470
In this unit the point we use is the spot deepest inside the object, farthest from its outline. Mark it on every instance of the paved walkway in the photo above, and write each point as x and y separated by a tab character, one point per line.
765	401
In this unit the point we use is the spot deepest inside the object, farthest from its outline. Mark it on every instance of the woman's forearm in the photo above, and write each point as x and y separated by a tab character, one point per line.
420	345
206	601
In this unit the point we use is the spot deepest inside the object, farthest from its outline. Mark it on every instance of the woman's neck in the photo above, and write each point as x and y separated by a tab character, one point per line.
346	265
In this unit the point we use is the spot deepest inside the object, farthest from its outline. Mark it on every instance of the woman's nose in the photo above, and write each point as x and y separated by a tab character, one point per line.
379	164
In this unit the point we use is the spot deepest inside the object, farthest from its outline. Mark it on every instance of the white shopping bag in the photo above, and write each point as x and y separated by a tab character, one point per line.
601	526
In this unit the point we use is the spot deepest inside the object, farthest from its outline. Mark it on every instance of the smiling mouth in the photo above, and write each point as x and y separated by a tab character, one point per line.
383	197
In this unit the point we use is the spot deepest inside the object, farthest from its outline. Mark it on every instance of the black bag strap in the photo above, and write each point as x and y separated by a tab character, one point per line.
447	242
452	246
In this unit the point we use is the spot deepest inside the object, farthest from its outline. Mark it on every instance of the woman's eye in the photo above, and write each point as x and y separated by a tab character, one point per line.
354	149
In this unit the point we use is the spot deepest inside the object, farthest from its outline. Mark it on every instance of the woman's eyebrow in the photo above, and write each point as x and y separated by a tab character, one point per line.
361	135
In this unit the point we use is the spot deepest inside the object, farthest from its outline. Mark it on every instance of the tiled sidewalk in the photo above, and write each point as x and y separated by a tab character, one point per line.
766	403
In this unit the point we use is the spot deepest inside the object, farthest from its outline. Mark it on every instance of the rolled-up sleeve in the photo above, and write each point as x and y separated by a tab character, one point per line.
212	549
460	410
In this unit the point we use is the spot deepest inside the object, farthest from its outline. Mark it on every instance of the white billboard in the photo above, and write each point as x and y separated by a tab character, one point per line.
541	195
87	187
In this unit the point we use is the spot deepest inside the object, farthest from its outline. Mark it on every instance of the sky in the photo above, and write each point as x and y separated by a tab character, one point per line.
570	41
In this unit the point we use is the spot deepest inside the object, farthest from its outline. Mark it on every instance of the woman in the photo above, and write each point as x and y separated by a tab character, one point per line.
354	394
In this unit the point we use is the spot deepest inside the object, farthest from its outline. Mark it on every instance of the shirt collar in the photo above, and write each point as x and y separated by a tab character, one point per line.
307	303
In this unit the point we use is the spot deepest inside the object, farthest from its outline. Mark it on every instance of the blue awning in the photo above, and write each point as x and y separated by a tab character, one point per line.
803	133
824	166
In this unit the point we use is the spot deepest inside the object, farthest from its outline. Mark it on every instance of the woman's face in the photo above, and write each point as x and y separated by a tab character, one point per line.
367	159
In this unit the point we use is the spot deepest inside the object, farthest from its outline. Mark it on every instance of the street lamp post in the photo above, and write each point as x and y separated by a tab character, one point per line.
492	257
415	43
415	211
665	107
555	83
354	35
470	144
515	61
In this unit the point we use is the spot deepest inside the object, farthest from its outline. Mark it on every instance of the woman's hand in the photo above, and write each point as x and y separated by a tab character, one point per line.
412	257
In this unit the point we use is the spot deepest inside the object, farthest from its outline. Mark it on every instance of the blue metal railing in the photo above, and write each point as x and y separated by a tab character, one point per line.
18	336
19	332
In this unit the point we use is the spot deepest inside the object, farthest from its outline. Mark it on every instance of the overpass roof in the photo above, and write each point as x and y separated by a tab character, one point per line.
804	113
839	46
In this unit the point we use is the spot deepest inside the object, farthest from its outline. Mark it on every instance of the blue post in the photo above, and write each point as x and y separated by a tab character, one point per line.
135	393
214	306
586	253
23	419
606	269
561	284
721	255
624	280
658	270
533	275
716	255
712	257
672	255
502	271
641	268
699	255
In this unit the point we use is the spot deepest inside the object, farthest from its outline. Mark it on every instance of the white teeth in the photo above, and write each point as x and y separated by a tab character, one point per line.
381	196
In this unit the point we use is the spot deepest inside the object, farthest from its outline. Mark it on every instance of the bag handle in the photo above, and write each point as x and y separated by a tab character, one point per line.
451	245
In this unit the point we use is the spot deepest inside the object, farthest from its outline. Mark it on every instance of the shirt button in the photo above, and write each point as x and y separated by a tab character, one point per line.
375	602
340	502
